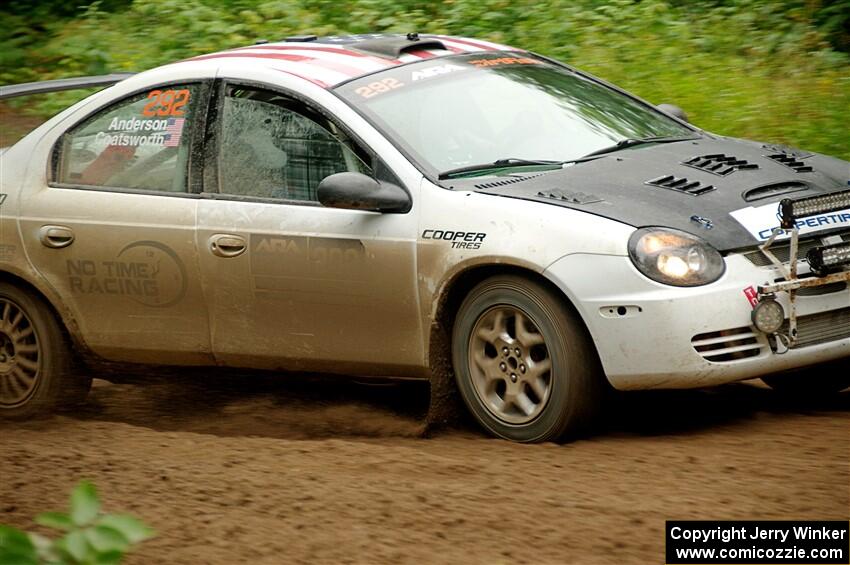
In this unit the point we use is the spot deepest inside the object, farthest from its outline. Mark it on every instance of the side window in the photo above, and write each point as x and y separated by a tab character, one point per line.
141	142
272	146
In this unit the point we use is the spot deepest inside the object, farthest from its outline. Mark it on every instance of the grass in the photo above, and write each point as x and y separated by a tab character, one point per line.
758	69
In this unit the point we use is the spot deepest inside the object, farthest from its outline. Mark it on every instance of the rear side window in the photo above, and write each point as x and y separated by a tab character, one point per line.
142	142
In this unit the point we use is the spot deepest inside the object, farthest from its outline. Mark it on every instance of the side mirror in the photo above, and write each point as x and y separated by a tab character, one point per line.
356	191
674	111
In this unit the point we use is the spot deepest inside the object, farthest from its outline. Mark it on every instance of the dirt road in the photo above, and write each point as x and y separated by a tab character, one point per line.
305	471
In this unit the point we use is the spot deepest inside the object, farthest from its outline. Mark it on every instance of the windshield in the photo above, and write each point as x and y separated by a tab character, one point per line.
481	108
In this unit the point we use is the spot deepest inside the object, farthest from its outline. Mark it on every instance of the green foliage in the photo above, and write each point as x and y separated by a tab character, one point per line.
90	537
765	69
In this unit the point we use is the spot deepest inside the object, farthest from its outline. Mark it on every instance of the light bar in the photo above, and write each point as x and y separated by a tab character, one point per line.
828	258
792	210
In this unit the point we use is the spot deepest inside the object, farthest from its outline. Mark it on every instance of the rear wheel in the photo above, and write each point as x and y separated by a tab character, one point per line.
525	366
36	370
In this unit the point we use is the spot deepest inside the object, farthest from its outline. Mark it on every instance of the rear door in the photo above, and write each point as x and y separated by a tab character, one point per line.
294	285
113	231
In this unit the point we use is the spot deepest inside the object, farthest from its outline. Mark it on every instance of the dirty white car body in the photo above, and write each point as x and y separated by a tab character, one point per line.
199	277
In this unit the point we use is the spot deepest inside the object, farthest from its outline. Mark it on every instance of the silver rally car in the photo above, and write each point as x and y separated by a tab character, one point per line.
414	206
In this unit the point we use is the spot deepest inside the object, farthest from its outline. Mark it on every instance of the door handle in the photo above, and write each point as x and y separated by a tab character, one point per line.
56	237
225	245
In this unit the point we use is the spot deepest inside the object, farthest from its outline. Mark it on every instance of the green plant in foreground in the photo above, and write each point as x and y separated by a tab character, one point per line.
91	537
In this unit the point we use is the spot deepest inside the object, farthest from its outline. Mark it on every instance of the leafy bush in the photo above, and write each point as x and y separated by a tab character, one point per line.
91	537
764	69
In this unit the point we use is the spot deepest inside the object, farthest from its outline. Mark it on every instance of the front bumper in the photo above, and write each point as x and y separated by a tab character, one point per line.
650	335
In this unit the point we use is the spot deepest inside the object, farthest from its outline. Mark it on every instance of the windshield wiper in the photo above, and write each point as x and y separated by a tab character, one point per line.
628	142
498	164
515	162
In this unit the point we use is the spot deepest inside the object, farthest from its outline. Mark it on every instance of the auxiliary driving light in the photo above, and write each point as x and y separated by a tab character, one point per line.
768	316
828	258
792	210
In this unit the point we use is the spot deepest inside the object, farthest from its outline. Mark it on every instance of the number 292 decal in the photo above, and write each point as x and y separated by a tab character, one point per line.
166	103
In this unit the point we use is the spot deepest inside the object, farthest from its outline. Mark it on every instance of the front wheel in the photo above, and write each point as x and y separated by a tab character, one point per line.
36	370
524	364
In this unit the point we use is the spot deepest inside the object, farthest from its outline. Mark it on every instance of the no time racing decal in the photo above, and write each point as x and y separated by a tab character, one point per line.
147	272
458	239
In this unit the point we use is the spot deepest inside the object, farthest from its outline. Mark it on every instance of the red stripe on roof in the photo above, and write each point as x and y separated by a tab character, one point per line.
329	65
421	53
313	80
297	58
454	49
323	49
306	47
471	43
338	67
336	50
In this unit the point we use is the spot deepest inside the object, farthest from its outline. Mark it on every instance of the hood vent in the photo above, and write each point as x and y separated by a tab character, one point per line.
694	188
504	181
790	151
771	190
790	161
720	164
572	197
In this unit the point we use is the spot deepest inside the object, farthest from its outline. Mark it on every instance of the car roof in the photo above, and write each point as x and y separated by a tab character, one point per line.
330	61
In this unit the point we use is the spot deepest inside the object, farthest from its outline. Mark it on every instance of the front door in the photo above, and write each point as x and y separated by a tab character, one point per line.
294	285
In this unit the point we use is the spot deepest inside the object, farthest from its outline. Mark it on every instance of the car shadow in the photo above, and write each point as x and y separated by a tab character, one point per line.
316	407
670	412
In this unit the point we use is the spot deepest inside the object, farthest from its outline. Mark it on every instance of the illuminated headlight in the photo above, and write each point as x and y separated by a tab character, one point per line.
828	258
792	210
675	257
768	316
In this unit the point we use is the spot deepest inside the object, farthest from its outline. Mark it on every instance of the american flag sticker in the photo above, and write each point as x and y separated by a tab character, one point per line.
173	132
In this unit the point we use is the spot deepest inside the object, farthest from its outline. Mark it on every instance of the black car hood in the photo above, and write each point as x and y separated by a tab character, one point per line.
619	185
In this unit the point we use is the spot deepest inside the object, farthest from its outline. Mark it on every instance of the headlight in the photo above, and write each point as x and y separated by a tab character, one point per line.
675	257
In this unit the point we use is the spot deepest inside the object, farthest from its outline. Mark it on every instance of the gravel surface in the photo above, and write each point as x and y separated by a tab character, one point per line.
303	470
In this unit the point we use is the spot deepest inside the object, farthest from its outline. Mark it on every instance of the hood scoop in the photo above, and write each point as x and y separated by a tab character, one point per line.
681	184
720	164
771	190
793	162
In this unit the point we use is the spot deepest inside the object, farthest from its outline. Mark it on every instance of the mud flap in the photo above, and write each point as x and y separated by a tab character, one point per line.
445	408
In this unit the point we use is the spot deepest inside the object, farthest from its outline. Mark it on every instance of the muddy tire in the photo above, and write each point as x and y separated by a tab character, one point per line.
524	364
814	382
36	367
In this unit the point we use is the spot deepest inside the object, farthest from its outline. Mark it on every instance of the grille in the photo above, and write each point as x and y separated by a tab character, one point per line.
720	164
790	161
783	251
728	345
694	188
822	290
820	328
